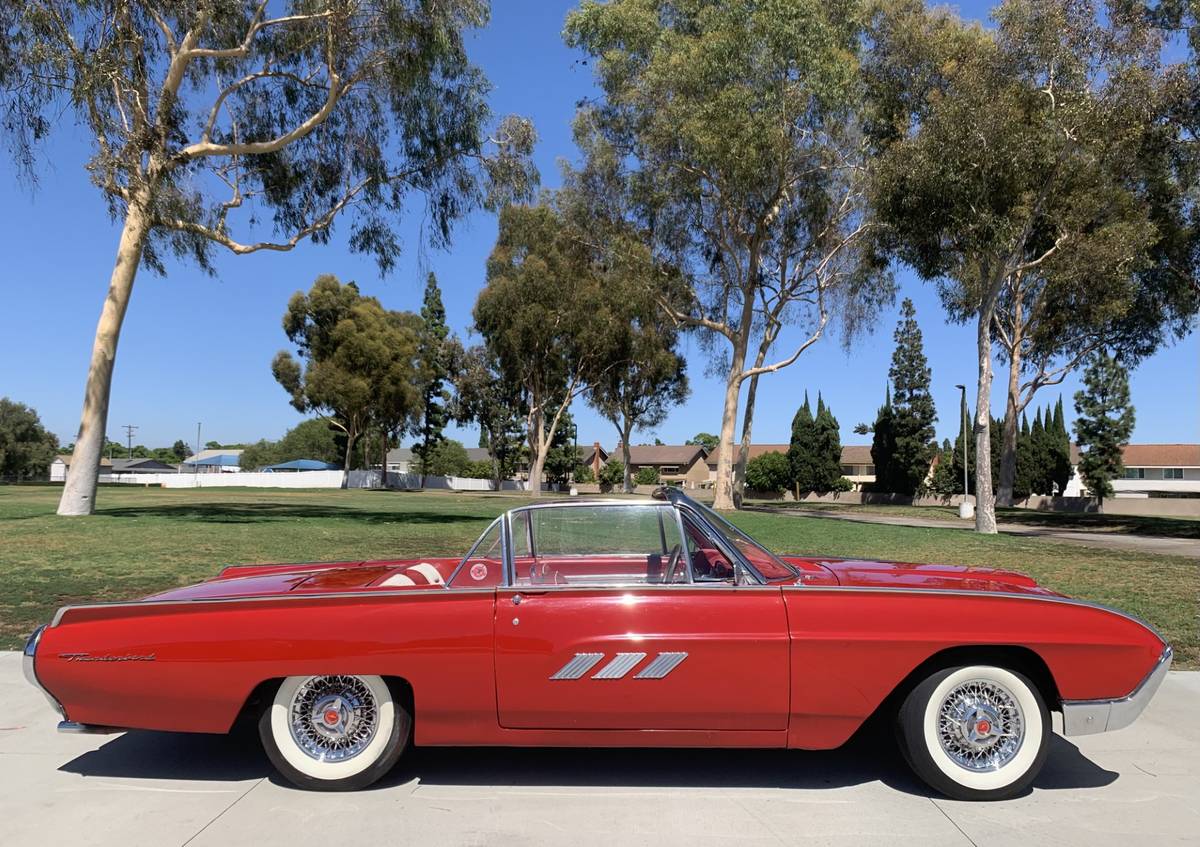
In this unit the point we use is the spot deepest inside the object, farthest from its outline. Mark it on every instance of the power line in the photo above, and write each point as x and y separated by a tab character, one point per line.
130	429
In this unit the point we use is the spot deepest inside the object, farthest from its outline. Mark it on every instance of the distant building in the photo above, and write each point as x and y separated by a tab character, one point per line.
61	466
593	457
403	460
216	460
1150	469
677	464
857	465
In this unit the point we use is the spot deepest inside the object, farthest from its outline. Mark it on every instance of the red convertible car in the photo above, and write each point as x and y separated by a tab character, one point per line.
610	623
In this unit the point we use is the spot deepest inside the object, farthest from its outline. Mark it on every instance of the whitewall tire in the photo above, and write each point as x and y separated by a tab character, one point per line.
976	732
334	732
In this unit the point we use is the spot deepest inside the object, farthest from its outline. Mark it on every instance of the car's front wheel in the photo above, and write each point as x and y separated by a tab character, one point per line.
978	732
334	733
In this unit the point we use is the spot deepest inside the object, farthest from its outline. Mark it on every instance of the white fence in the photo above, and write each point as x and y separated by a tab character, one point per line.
312	479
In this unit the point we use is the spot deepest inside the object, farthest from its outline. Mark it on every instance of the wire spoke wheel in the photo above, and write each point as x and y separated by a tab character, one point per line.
980	725
333	718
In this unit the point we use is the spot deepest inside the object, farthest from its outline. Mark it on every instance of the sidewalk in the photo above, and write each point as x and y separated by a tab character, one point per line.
1188	547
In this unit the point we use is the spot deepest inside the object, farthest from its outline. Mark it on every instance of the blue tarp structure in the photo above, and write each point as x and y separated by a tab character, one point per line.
223	460
302	465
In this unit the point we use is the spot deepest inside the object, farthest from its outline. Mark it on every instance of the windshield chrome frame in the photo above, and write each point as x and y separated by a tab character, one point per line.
510	565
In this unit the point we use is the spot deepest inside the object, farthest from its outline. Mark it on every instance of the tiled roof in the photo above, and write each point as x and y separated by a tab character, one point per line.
1161	455
661	454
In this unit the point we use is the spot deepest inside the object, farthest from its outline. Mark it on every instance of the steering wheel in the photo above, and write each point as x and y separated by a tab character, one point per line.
673	560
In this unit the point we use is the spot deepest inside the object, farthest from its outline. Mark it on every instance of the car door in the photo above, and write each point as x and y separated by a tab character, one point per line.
591	633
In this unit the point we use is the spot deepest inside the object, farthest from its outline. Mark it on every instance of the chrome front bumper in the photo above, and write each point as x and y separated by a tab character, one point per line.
1085	717
29	667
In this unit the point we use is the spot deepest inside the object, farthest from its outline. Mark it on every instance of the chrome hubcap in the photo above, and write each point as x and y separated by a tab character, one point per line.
333	718
980	725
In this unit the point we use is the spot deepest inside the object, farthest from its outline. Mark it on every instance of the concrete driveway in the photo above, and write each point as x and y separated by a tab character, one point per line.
1136	787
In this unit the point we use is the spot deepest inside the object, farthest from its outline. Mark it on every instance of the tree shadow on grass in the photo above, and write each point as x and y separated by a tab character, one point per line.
265	512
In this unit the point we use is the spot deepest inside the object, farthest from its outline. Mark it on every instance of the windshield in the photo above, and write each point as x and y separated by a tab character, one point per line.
763	561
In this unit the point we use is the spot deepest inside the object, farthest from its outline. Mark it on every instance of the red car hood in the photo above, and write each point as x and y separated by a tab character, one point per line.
265	580
868	574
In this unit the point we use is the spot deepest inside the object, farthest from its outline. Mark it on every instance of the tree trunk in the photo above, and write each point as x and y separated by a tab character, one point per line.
1008	447
537	451
79	489
723	485
739	468
985	508
626	431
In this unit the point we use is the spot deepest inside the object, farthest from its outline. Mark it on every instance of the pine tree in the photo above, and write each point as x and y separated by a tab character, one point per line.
827	459
913	411
434	358
883	444
1103	424
801	450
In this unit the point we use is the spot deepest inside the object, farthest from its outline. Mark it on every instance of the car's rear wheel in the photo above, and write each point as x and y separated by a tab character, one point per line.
978	732
334	733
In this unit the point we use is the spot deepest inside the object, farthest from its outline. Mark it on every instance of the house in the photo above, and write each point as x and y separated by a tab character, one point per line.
1150	470
593	457
300	465
403	460
125	466
857	465
216	460
62	465
683	464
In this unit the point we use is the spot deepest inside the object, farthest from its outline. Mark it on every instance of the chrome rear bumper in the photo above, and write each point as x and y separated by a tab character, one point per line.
29	667
1085	717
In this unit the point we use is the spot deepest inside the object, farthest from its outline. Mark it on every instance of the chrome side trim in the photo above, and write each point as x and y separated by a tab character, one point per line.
959	592
662	665
578	666
419	592
86	728
1085	717
29	668
621	664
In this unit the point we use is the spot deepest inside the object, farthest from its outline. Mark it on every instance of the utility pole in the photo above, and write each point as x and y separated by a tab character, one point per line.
130	429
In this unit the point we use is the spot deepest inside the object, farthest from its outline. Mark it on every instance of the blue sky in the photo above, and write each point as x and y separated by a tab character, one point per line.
198	349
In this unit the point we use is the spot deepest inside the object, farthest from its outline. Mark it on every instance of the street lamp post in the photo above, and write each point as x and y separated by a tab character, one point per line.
966	509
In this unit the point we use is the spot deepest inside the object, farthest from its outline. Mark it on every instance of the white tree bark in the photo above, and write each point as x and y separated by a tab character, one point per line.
985	507
79	490
723	488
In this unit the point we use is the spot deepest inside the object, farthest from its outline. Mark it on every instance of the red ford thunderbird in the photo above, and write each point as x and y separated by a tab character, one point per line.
611	623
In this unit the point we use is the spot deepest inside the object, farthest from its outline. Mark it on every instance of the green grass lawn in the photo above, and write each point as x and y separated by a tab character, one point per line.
145	540
1123	524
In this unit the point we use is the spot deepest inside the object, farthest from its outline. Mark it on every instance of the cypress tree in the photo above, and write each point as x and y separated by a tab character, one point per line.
883	444
1021	479
1060	451
801	450
433	355
913	411
827	460
1103	424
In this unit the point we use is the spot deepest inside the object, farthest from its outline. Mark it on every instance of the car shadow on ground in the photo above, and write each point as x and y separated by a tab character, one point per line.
870	756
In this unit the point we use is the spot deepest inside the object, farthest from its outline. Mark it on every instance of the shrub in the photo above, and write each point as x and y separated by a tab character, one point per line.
769	472
646	476
613	473
478	470
583	473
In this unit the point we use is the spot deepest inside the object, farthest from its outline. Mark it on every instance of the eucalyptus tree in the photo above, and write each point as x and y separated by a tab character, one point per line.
250	126
1011	172
730	129
544	316
358	365
484	397
646	376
